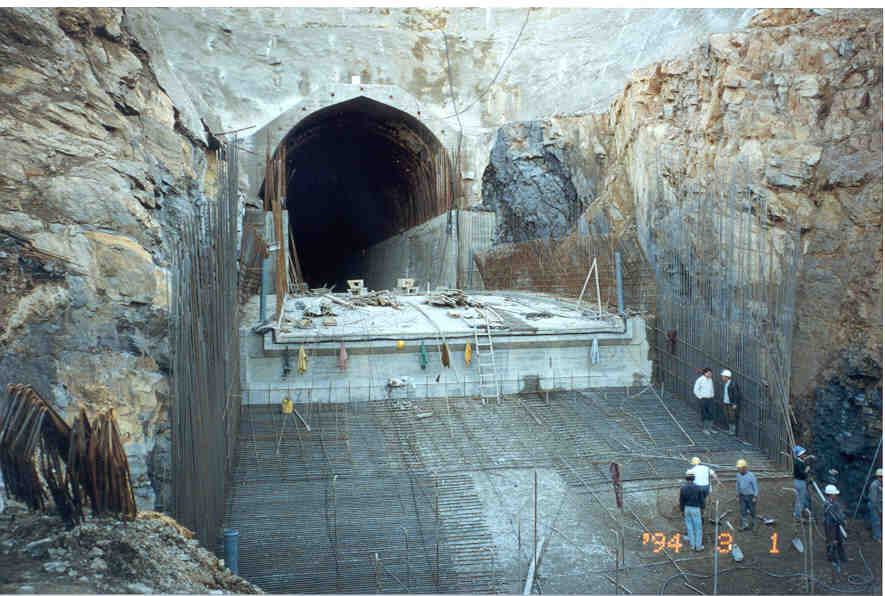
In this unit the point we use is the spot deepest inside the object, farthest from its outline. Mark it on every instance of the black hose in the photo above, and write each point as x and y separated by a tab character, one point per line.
777	575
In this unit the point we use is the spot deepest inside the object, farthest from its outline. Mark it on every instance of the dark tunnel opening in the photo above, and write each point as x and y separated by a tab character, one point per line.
359	172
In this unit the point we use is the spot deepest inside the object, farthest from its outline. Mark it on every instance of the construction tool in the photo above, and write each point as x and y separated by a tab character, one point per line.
823	500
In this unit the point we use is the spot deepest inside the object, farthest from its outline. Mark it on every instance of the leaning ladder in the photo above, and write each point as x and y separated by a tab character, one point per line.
485	353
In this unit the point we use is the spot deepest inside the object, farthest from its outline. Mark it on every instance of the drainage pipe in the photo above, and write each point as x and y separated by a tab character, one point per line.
232	550
620	282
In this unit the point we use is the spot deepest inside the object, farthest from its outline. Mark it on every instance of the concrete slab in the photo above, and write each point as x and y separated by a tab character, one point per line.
414	317
540	344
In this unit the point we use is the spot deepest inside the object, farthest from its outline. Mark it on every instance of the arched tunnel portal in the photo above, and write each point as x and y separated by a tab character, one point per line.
359	172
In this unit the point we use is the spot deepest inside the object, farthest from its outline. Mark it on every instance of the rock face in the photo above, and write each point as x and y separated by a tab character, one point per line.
847	424
528	185
96	166
796	101
794	104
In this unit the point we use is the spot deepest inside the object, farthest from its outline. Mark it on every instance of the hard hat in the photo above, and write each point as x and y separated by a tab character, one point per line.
831	489
726	373
879	472
798	450
695	461
689	472
400	345
742	463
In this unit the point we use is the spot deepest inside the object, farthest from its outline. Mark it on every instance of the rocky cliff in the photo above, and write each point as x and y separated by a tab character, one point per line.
797	97
795	100
97	165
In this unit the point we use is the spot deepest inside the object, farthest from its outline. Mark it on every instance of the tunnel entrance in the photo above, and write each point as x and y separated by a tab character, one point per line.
359	172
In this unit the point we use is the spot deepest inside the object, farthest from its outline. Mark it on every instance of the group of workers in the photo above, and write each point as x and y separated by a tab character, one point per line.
693	495
833	516
705	392
694	492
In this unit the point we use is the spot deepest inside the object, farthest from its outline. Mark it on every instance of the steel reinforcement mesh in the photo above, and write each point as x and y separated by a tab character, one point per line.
379	496
204	341
726	299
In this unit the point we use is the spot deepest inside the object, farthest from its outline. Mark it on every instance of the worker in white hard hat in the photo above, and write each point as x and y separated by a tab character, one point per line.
833	520
702	476
747	494
731	399
875	501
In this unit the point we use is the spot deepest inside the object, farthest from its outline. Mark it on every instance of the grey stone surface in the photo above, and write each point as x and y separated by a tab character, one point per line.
250	64
528	185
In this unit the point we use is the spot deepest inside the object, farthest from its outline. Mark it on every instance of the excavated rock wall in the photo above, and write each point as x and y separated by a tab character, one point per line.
793	103
97	166
796	99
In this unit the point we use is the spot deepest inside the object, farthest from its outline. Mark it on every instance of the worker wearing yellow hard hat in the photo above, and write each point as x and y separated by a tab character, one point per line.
747	494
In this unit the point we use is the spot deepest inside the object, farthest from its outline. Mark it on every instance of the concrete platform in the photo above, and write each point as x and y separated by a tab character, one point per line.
540	343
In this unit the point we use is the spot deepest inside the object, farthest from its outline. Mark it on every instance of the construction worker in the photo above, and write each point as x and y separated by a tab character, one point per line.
747	494
691	504
801	470
703	390
731	399
702	476
875	499
833	519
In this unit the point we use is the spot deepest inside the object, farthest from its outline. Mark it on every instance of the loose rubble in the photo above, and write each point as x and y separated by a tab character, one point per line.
152	554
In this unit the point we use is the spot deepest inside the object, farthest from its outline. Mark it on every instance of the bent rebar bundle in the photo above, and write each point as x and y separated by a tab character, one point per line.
42	456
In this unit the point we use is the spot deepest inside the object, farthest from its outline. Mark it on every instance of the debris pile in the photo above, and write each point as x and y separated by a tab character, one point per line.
375	298
150	554
450	298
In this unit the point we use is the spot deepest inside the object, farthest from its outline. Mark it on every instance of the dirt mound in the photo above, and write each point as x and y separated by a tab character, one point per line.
41	554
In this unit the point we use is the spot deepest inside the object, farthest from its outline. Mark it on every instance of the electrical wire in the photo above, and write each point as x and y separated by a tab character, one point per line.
500	68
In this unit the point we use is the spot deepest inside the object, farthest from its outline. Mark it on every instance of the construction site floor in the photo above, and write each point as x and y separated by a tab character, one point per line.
454	495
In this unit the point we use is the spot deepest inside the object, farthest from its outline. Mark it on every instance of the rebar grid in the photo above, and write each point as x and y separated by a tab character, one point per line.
376	478
204	340
559	267
726	293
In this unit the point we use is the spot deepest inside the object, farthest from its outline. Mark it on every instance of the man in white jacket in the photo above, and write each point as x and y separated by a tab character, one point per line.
703	390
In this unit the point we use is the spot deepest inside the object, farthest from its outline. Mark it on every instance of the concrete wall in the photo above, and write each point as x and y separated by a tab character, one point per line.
558	361
427	255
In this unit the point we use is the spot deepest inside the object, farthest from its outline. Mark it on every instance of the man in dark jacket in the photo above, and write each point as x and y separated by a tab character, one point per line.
731	400
691	504
801	470
833	520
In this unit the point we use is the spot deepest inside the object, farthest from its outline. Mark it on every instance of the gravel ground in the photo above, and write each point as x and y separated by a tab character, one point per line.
40	554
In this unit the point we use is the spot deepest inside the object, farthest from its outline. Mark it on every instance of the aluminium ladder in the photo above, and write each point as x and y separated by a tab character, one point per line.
485	353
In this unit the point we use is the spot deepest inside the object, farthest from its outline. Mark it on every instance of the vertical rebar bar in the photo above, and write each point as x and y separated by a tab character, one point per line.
535	517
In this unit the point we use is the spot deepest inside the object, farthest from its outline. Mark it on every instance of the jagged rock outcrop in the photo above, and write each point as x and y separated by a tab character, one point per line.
528	185
96	167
